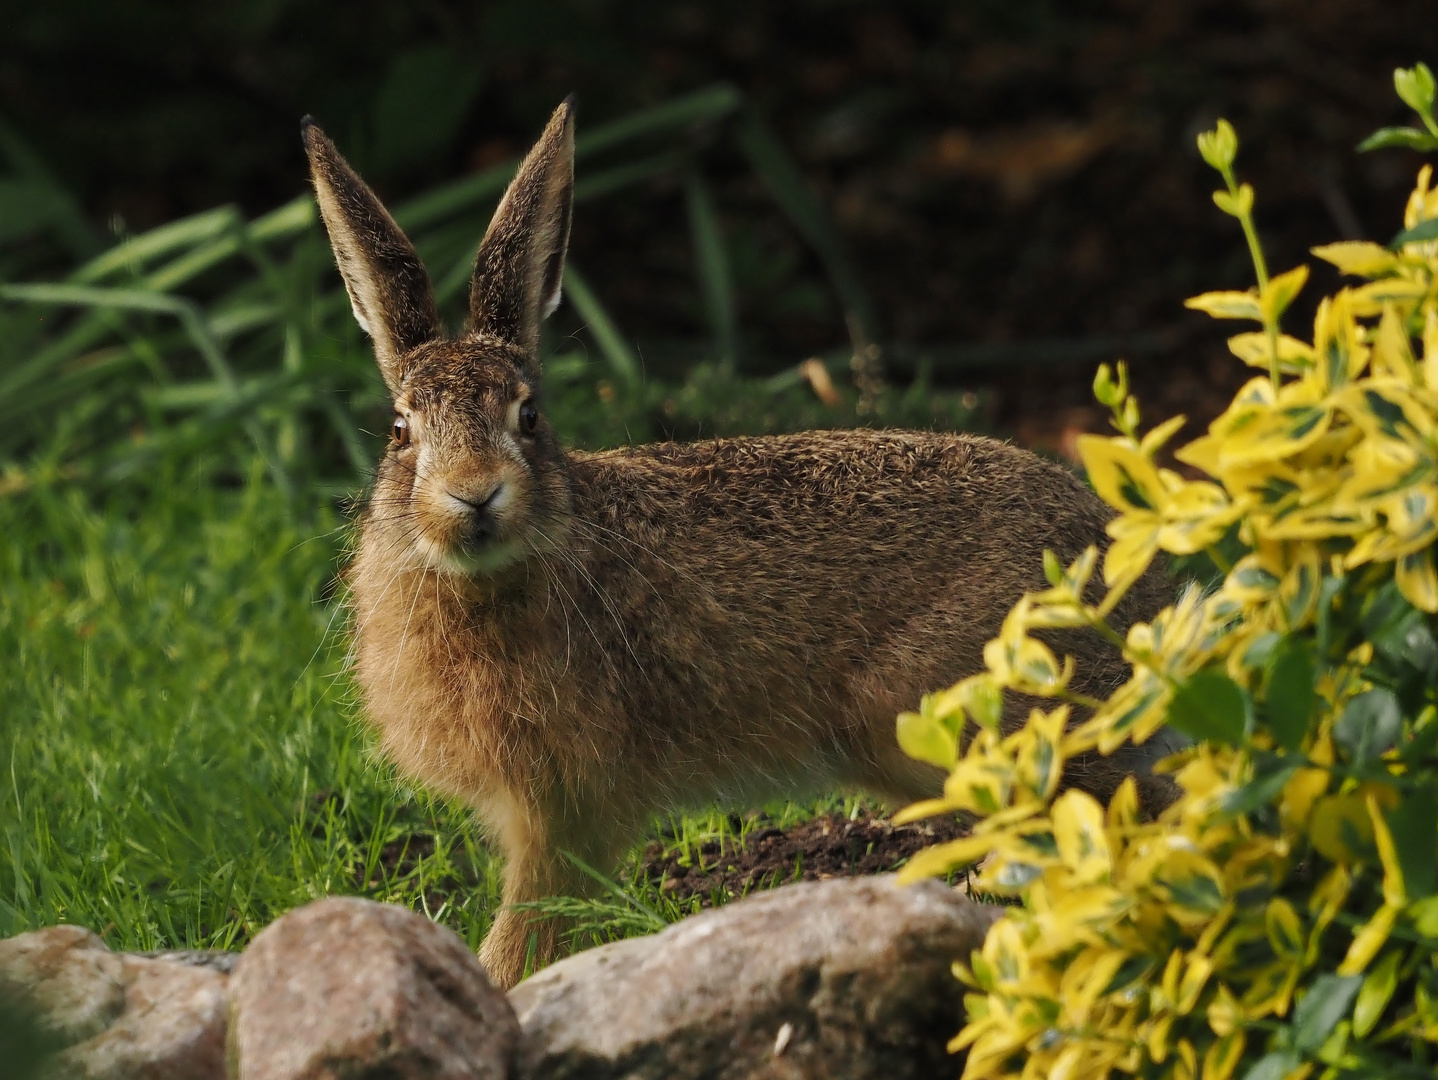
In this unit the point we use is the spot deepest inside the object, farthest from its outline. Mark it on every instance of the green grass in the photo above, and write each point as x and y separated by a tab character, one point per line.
182	759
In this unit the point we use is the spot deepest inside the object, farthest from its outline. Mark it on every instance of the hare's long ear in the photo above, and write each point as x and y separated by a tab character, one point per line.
388	286
520	266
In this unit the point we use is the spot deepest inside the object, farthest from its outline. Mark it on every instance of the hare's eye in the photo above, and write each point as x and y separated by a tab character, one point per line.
528	418
400	431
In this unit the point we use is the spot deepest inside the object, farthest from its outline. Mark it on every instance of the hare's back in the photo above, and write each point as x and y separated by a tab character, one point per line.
872	520
823	575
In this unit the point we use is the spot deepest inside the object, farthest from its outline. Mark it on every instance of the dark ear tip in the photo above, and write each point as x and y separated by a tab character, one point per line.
309	129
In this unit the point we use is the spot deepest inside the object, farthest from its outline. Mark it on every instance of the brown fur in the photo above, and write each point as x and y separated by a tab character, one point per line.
618	633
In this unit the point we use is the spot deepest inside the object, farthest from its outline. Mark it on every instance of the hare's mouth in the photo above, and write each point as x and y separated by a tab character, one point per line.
468	557
468	535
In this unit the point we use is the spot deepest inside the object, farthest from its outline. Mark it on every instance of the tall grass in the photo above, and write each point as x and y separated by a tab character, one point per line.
169	342
180	761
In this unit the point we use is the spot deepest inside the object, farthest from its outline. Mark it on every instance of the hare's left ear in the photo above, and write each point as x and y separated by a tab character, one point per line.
520	266
388	286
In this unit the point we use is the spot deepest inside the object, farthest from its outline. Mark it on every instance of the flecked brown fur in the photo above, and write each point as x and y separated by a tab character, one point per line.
573	642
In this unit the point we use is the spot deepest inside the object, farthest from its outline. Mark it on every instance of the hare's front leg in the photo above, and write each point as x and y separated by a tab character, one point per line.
535	843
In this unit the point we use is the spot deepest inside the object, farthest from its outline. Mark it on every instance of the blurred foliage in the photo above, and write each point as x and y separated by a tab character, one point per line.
1280	918
214	327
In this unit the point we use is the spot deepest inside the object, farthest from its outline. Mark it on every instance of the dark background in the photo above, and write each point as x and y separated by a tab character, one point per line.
1017	177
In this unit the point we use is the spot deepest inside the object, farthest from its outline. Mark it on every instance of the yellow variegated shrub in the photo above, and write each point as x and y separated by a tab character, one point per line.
1280	919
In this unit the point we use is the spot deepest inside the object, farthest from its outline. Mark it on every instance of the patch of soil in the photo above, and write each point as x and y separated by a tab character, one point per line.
826	847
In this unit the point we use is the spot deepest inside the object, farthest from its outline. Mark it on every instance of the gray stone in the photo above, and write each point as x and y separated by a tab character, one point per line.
117	1016
68	977
835	979
214	959
347	988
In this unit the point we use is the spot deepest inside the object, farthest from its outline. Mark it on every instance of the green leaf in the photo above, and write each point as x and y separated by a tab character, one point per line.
1326	1003
1423	231
1235	205
1290	696
1369	725
1414	825
1262	790
1053	569
1210	706
1424	914
1377	991
1415	86
421	105
925	738
1274	1066
1406	137
1220	146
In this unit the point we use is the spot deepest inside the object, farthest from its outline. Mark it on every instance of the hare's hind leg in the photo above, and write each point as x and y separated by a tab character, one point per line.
537	844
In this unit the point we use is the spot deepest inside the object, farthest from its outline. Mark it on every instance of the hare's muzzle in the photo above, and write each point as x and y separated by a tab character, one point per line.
479	525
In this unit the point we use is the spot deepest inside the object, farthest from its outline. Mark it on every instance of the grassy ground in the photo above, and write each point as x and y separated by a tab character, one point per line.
182	761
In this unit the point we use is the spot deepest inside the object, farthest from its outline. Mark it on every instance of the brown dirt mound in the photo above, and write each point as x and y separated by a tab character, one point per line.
826	847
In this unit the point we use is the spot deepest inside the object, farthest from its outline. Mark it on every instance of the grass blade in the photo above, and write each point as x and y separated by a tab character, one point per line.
134	252
65	213
711	266
623	362
786	184
707	105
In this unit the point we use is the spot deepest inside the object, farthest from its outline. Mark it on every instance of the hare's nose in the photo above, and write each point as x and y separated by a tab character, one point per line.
481	512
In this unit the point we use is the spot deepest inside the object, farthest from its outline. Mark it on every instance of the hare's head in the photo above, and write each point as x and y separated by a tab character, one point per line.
473	479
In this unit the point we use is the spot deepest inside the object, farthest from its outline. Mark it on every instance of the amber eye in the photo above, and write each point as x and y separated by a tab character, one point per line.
528	418
400	431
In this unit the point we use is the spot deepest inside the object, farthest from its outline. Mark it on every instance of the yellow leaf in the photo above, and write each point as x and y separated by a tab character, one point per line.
1155	439
926	738
1299	795
1369	299
938	860
1275	297
925	808
1338	349
1369	940
1376	992
1195	975
1135	543
1158	1038
1328	898
1285	932
1430	349
1417	580
1392	354
1080	837
1252	347
1224	1013
1394	892
1193	886
1228	305
1361	258
1006	953
1223	1056
1276	433
1340	828
1123	808
1123	477
1195	516
1201	453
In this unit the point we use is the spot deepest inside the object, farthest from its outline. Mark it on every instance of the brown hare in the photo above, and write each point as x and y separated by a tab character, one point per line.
572	642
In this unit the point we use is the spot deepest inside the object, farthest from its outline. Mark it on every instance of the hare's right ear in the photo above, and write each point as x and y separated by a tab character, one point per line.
388	286
520	265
